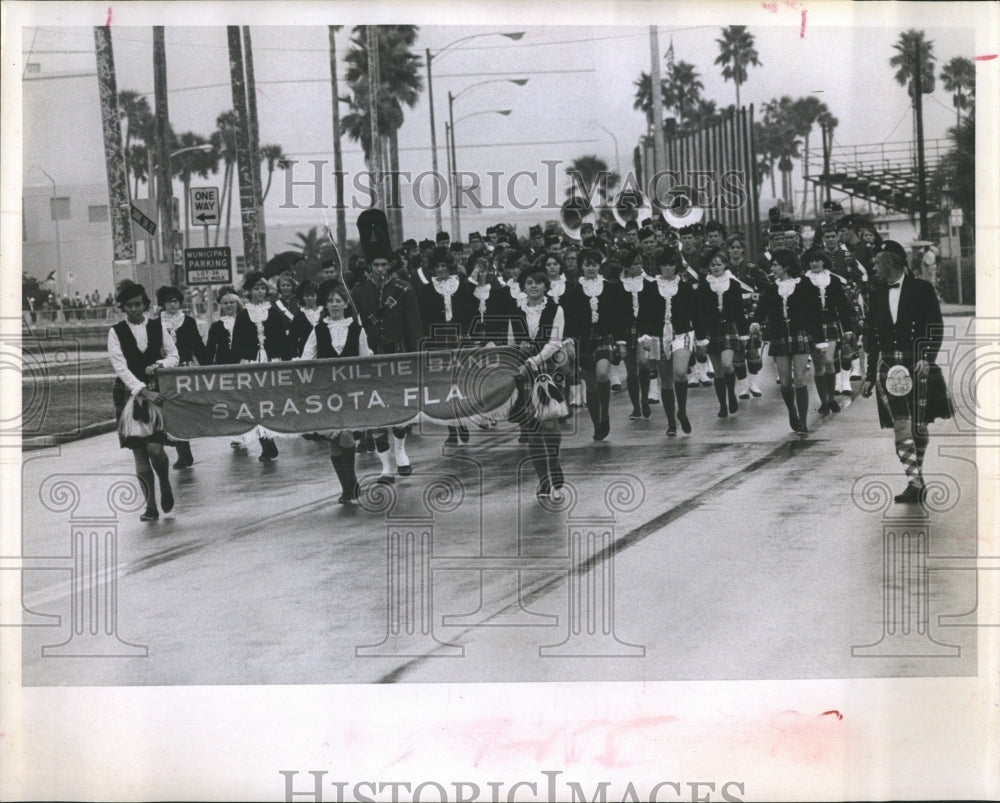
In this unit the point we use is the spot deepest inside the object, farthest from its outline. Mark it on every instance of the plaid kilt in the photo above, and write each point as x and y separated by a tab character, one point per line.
791	343
831	327
598	347
119	395
723	337
924	404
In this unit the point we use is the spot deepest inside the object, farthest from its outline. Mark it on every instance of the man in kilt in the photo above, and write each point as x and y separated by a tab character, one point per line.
903	336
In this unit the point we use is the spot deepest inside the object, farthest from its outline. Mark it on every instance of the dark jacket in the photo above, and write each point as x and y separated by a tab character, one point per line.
390	314
653	309
219	348
614	310
276	343
710	316
803	312
917	332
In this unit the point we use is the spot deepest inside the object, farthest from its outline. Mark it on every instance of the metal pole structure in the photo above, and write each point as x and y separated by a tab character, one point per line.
248	206
164	183
374	87
254	142
449	169
918	110
456	225
55	219
654	76
338	159
123	248
434	150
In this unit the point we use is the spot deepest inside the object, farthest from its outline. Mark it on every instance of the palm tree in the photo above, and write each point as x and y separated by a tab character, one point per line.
274	157
682	89
704	114
223	140
401	84
959	77
202	163
905	60
139	125
588	172
736	53
783	130
807	111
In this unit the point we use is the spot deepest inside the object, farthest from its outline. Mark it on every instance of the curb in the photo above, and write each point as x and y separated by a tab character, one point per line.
46	441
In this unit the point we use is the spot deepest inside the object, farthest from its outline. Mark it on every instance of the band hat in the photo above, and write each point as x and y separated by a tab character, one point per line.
426	245
645	233
475	237
535	231
552	239
373	231
895	249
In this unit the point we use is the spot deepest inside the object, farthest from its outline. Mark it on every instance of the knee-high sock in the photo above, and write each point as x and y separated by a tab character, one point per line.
920	447
385	459
802	402
184	450
680	389
906	451
788	396
730	380
667	399
831	385
148	488
161	466
740	370
720	390
552	440
537	452
819	379
604	399
399	448
643	384
632	385
594	403
343	464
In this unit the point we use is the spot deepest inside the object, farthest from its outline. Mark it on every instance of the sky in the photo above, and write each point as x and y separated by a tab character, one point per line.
578	99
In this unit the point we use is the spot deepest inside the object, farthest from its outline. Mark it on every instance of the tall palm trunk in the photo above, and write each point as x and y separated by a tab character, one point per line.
338	161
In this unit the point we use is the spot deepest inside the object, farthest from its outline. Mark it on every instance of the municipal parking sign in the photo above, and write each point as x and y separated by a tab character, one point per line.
208	265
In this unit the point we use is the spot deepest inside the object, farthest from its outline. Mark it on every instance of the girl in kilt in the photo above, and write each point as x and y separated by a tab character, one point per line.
337	335
260	335
137	348
753	280
723	327
790	311
307	316
286	300
182	329
637	284
666	326
598	314
837	325
555	268
219	343
538	331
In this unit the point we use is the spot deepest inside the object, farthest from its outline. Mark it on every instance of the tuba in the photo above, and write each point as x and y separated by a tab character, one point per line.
573	214
681	212
631	205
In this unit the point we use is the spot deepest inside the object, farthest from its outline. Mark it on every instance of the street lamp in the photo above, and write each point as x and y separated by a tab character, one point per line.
55	219
618	164
457	225
513	36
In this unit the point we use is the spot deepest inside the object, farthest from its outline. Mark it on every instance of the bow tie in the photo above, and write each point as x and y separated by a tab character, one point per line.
896	285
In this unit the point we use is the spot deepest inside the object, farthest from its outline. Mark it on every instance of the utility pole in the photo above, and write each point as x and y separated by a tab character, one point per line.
659	147
163	178
123	266
918	111
248	201
374	84
434	149
258	190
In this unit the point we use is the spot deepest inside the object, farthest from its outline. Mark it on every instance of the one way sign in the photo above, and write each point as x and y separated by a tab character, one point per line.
204	205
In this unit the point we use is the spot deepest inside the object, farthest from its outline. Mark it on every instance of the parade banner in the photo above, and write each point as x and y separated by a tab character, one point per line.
350	393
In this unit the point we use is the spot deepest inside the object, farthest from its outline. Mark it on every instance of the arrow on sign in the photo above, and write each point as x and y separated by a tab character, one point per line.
203	217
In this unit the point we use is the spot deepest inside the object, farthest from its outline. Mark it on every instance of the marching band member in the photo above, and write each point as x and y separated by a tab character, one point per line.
790	311
724	328
307	316
137	348
338	334
286	300
539	333
598	316
667	314
555	269
390	313
753	281
903	337
836	322
219	344
636	282
447	307
182	329
260	335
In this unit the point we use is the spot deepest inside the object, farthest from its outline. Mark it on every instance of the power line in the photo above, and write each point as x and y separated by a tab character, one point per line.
460	147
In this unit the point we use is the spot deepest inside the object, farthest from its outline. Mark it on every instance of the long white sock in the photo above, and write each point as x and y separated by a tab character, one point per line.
399	447
383	458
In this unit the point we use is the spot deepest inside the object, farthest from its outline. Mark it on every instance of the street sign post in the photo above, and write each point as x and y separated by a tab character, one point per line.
144	222
204	205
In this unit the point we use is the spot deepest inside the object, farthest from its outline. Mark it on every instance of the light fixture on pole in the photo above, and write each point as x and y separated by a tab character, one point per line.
618	164
457	235
55	219
513	36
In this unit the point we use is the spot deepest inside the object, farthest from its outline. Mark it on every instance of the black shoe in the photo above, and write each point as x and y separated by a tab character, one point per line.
706	384
603	430
793	422
723	412
544	489
635	415
266	458
745	395
404	471
834	407
350	495
616	387
463	434
856	378
647	411
451	440
183	462
672	431
734	405
911	496
824	408
685	424
150	515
